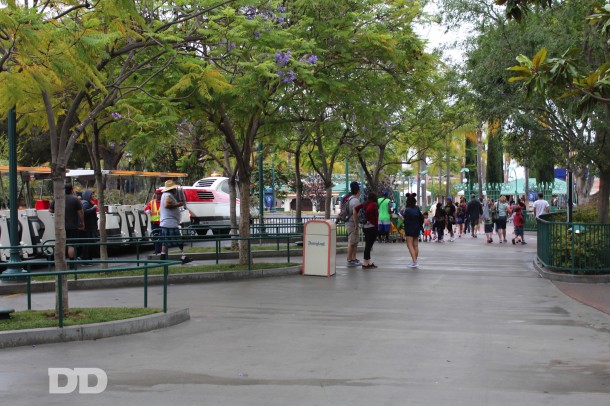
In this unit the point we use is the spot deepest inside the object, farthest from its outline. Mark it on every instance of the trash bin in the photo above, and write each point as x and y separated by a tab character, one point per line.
319	248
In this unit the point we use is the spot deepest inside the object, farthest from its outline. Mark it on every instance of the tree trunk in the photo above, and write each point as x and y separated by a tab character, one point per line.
59	208
584	183
423	193
328	201
244	216
101	197
480	160
448	170
526	185
233	210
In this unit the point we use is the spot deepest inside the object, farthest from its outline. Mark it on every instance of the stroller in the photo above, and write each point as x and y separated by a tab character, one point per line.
397	229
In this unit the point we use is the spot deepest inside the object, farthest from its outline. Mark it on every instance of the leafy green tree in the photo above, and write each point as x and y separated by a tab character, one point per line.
495	153
78	58
581	72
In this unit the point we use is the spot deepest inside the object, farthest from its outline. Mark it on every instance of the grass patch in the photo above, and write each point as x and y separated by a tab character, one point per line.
175	270
46	318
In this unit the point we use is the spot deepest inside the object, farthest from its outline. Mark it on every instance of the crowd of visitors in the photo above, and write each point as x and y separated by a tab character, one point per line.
442	222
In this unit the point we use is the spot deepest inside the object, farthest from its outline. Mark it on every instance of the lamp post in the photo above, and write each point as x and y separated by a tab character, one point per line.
347	176
514	169
261	189
570	202
12	180
424	192
466	181
273	184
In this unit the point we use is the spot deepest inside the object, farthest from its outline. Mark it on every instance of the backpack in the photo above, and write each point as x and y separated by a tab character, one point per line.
362	215
344	213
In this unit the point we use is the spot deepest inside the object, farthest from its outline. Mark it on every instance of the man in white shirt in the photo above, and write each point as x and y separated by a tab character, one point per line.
541	206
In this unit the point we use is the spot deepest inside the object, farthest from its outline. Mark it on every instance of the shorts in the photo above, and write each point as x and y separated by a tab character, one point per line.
427	232
383	226
73	234
172	234
473	222
489	228
501	223
519	231
352	233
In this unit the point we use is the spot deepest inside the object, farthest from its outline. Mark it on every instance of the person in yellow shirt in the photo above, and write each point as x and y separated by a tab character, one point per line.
152	209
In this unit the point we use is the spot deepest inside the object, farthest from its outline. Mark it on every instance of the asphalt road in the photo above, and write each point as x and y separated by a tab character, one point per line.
474	325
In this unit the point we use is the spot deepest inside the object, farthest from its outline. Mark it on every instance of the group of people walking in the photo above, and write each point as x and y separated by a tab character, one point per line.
81	221
460	219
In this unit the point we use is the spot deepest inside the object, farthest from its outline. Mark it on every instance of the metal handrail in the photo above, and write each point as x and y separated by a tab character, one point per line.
61	274
577	248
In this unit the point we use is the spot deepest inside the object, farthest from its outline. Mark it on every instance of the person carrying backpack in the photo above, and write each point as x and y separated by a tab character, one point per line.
440	221
351	226
369	228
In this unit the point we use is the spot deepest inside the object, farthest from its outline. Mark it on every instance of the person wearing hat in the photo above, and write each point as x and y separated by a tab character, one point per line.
170	219
351	227
152	209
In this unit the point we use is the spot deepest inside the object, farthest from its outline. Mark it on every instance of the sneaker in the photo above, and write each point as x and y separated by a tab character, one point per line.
414	265
505	240
185	259
353	262
451	239
513	240
523	242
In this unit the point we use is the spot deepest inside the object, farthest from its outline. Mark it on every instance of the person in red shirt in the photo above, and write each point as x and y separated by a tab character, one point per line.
370	228
518	222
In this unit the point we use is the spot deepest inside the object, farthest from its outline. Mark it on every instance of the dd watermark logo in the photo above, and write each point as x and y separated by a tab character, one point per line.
77	378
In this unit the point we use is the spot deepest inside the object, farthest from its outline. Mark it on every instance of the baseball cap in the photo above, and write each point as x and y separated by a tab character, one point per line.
354	186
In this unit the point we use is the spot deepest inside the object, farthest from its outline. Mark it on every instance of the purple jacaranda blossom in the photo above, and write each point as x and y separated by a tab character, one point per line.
116	115
257	34
289	77
311	59
281	9
282	58
250	12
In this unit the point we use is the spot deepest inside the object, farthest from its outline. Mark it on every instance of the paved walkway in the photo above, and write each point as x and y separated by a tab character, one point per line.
475	325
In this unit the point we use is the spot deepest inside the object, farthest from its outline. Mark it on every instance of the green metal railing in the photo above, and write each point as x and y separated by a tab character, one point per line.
577	248
147	264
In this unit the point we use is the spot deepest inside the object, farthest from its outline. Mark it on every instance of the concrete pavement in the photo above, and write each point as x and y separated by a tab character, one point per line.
475	325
